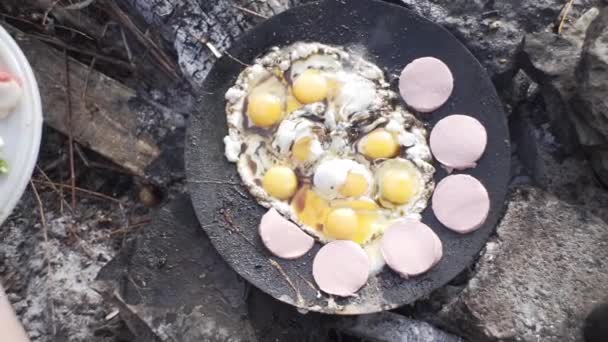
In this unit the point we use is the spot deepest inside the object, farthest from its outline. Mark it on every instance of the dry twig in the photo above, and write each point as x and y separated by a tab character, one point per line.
68	97
59	43
45	236
84	191
564	16
166	63
248	11
59	191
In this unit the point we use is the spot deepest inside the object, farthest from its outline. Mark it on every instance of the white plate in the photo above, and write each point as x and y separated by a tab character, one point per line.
21	131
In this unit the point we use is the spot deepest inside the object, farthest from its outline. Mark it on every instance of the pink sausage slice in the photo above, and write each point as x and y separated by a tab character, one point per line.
283	238
341	268
10	93
426	84
410	248
458	141
461	203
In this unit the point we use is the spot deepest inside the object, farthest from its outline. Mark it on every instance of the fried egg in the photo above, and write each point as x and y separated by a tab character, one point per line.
317	136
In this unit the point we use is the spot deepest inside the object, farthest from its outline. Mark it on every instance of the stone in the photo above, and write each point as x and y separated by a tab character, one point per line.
493	30
554	70
540	157
388	326
593	91
592	73
539	279
170	283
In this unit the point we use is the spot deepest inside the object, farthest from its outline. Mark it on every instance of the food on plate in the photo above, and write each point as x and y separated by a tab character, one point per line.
10	93
458	141
411	248
3	163
317	135
283	238
426	84
461	203
341	268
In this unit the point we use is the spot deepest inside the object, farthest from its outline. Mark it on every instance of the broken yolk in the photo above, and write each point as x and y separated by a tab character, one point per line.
301	149
354	186
310	208
367	217
292	104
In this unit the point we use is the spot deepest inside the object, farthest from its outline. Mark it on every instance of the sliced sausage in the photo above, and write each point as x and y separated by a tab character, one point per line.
458	141
461	203
341	268
10	93
282	237
411	248
426	84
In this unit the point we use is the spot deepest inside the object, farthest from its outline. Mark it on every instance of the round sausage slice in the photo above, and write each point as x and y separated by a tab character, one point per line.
458	141
461	203
282	237
341	268
411	248
10	93
426	84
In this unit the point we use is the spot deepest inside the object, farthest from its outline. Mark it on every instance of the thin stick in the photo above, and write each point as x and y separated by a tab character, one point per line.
59	191
48	11
167	64
86	80
89	53
45	236
566	11
79	5
69	127
84	191
127	48
236	59
248	11
121	230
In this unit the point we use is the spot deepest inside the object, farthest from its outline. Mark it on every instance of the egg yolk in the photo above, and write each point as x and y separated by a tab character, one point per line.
280	182
265	109
380	144
398	186
341	224
311	208
354	186
292	104
367	217
301	149
310	87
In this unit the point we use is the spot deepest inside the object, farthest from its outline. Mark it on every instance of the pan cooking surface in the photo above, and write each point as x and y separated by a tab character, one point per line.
392	37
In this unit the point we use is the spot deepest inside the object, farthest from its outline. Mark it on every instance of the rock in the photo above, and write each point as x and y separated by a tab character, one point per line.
388	326
591	77
596	328
542	157
593	72
539	279
170	283
493	30
553	69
